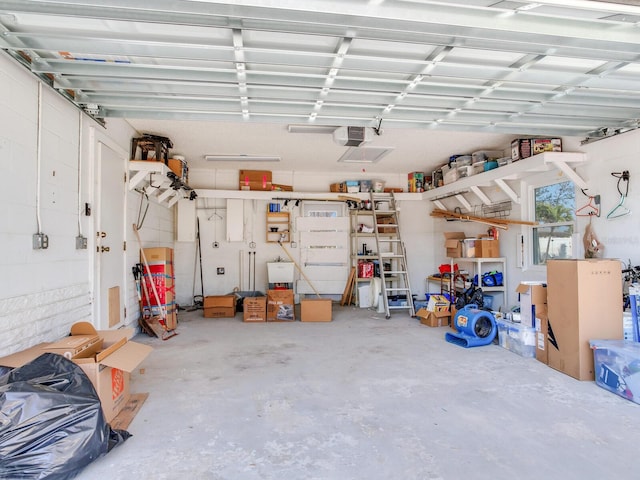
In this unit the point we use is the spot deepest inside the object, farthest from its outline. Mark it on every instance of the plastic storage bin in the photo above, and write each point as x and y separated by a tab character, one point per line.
517	338
617	367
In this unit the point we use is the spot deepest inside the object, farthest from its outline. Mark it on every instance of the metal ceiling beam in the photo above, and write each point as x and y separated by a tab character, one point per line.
402	21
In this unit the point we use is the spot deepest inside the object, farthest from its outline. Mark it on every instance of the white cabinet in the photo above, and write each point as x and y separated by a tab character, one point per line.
324	254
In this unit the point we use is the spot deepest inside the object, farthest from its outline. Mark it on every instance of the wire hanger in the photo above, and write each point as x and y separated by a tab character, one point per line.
591	208
620	210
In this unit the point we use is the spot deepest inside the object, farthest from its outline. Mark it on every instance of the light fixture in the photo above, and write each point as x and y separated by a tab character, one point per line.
242	158
364	154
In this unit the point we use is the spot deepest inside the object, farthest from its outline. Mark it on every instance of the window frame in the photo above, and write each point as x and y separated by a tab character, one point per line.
528	232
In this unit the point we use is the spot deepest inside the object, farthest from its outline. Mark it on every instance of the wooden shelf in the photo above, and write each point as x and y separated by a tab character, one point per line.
280	221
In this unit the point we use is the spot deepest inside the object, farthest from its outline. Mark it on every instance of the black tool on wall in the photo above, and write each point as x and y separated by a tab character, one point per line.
198	300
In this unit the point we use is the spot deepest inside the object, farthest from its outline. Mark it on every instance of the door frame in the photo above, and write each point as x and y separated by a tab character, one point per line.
96	139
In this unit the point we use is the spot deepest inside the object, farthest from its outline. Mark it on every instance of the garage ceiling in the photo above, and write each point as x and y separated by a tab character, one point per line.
561	67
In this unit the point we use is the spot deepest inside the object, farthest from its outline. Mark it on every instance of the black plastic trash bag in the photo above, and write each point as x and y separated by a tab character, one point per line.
51	421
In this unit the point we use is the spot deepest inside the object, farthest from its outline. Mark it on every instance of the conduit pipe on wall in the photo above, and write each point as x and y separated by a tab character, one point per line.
39	157
80	209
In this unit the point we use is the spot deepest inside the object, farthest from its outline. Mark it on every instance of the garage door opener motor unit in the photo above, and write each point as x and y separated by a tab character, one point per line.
475	327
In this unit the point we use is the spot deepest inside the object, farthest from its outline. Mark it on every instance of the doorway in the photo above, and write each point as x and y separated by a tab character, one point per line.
110	194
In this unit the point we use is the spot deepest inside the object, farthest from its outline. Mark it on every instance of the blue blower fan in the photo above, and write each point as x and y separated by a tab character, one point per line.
475	327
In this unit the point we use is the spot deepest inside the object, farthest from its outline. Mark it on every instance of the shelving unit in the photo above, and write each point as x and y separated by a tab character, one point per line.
278	227
359	239
478	266
499	177
155	179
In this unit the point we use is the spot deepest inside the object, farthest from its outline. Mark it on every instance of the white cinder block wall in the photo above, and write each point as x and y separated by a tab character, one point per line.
43	292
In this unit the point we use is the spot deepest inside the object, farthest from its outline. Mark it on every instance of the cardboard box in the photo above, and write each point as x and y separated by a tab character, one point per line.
616	367
542	349
158	256
440	318
280	306
438	303
160	263
386	221
522	148
255	180
338	187
254	309
278	187
74	346
584	302
453	243
109	368
533	302
180	168
315	310
220	306
487	248
415	182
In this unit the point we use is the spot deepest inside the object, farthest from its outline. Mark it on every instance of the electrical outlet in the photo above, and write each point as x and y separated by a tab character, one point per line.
220	270
294	244
40	241
216	245
81	242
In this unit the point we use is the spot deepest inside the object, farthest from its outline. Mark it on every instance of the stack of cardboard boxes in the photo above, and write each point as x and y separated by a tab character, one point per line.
438	312
458	245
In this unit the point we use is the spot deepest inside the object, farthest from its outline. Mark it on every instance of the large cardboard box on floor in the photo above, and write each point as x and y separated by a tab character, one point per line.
108	367
315	310
584	302
220	306
254	309
280	306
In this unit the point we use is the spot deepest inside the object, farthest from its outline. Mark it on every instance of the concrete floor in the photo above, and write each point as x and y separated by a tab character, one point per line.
362	398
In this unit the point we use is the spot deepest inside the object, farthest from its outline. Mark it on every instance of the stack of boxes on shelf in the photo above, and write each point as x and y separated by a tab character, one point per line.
361	186
458	245
160	262
260	180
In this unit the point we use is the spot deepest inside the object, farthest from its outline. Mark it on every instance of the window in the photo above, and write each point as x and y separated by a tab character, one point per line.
555	207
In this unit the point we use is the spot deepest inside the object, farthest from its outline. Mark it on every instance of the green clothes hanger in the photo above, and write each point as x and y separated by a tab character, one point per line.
620	210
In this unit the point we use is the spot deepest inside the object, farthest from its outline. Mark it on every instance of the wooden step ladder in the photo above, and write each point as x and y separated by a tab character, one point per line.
391	252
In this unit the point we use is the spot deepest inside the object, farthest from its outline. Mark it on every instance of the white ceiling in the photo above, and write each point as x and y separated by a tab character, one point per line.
227	77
